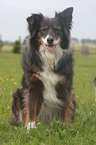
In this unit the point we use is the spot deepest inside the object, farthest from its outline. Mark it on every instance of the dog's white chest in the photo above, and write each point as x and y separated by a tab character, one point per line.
49	80
48	77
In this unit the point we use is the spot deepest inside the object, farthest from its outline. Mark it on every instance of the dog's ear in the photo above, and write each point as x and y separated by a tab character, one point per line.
34	23
66	17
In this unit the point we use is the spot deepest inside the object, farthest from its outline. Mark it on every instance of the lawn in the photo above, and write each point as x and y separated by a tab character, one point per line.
83	130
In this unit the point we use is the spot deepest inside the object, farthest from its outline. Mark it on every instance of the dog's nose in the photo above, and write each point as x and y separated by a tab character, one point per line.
50	40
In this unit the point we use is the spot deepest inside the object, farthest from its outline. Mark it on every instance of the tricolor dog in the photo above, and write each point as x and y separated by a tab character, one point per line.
46	91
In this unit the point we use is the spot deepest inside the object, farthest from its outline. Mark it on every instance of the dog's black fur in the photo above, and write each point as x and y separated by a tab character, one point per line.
28	101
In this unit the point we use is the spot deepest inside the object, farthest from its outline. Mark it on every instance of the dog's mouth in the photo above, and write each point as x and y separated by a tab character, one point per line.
50	47
49	50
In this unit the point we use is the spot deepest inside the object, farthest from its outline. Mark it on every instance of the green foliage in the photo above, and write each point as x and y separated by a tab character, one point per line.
83	130
16	47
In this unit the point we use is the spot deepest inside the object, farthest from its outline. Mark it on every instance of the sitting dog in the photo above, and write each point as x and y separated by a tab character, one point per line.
48	72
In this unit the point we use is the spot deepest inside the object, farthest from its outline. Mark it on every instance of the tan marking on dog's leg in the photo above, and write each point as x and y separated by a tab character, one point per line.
63	81
33	78
69	112
60	119
32	124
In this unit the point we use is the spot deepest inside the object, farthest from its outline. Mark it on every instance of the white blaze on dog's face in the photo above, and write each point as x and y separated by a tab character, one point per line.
50	42
50	45
50	39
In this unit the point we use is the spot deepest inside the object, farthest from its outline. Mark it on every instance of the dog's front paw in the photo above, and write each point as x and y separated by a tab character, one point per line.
34	78
31	125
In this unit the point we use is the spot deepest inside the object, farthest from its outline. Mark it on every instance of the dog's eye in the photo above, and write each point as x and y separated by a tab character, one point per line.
57	29
43	29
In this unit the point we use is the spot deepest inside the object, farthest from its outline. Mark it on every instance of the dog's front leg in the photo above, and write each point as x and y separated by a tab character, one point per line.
35	100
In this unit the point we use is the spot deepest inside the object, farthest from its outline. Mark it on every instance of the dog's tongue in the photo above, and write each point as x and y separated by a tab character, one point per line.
51	48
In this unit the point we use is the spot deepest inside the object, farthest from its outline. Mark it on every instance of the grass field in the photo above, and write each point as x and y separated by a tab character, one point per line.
83	130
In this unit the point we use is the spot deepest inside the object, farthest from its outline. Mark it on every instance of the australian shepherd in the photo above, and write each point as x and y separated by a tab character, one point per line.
46	91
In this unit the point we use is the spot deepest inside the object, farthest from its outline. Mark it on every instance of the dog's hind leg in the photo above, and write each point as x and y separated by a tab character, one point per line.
17	107
67	111
70	108
34	101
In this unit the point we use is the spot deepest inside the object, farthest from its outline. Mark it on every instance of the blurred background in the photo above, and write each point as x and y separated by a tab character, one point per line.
13	35
13	24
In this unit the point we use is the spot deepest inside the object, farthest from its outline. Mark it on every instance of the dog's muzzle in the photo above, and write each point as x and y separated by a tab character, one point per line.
50	43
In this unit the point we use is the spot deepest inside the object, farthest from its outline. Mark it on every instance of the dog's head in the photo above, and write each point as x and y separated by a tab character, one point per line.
51	33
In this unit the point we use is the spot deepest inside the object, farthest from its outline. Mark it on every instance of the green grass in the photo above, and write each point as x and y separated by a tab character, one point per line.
83	130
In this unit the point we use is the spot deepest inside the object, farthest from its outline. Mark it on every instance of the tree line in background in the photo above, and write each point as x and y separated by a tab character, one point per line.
83	41
16	45
73	41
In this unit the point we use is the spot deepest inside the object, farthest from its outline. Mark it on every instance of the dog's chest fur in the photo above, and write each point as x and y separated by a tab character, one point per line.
48	77
51	103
